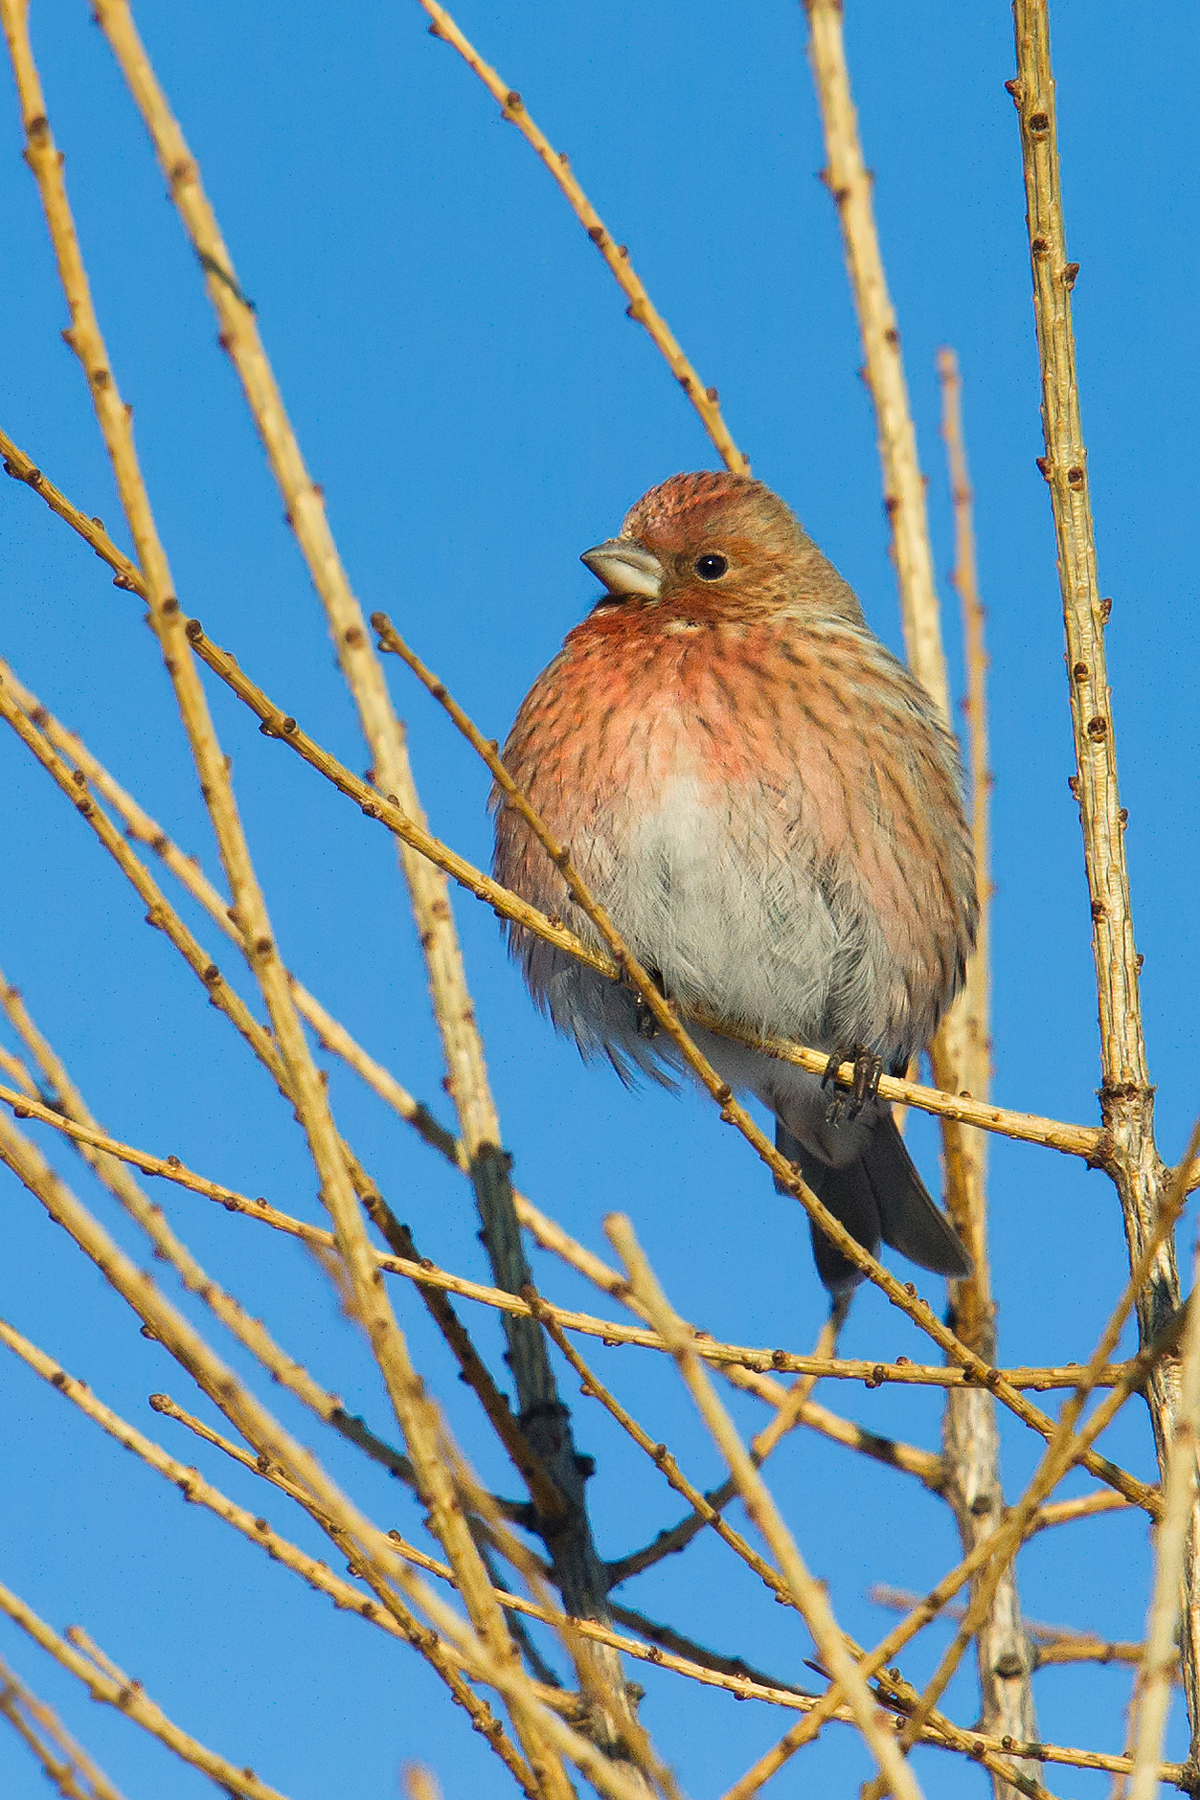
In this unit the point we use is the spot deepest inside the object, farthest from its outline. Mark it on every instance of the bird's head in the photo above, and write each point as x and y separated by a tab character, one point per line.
719	544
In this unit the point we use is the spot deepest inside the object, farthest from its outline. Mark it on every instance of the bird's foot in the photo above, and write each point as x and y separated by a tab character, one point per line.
645	1023
868	1067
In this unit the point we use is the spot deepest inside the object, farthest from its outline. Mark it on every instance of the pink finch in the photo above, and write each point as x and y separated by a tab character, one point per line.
768	804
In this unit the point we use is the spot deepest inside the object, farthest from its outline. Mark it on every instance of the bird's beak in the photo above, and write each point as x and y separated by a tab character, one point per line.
626	567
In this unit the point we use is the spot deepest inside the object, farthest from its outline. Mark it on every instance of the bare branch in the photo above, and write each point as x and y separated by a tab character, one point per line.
75	1775
106	1683
640	307
808	1595
1126	1096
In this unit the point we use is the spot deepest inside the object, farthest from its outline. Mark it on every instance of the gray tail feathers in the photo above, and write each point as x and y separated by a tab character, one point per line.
880	1195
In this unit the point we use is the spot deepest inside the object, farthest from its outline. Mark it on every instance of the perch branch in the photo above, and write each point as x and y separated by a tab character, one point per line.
425	1273
1073	1140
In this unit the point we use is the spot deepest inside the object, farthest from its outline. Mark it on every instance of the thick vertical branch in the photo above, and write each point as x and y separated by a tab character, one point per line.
971	1449
371	1304
1126	1096
849	181
960	1052
966	1041
545	1419
1160	1656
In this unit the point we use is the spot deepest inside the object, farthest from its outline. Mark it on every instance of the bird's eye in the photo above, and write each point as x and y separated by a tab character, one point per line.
710	568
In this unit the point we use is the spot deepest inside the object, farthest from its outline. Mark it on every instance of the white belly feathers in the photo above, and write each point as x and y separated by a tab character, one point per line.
730	923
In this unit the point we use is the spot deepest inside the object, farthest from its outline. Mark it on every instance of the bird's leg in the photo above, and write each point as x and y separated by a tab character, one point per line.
868	1067
645	1022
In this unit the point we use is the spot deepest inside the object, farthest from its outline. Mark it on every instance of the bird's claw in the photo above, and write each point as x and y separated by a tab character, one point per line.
644	1021
868	1067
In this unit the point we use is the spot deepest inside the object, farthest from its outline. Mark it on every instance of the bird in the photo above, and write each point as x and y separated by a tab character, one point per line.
769	805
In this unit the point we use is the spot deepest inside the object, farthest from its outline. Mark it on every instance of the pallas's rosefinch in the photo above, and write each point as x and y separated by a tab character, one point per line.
768	805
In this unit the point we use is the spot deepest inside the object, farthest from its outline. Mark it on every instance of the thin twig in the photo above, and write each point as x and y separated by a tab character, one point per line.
640	307
849	182
75	1774
425	1273
1065	1512
808	1595
593	1388
372	1551
16	1070
1051	1643
129	1698
1092	1650
961	1057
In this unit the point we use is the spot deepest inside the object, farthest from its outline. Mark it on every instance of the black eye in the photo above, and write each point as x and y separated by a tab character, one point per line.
710	568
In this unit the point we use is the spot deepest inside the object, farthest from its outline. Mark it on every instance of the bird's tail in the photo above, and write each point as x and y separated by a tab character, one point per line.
880	1195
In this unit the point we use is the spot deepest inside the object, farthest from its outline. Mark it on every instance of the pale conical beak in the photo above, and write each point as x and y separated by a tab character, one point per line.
626	567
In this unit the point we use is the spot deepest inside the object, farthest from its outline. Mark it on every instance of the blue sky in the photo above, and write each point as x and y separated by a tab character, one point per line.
467	389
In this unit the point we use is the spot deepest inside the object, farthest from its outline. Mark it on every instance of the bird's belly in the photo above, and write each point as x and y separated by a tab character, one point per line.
713	887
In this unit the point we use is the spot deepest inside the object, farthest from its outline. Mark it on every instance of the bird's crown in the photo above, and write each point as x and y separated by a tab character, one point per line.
686	508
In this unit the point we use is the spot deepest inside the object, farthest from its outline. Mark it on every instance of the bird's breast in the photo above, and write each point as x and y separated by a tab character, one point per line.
770	817
668	775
